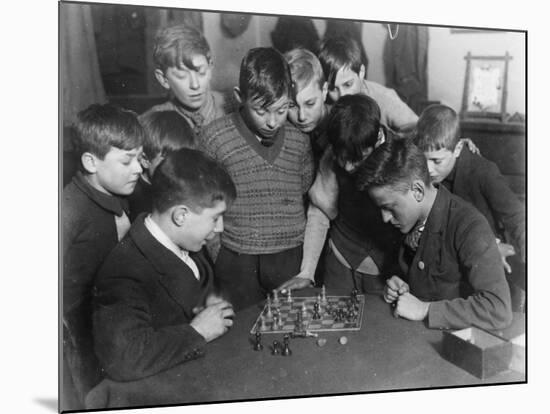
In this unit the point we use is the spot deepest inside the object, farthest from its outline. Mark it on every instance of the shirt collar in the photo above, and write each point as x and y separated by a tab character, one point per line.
112	203
163	238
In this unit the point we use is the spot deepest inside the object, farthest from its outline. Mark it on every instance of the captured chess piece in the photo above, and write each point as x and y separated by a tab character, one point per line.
258	344
286	350
276	349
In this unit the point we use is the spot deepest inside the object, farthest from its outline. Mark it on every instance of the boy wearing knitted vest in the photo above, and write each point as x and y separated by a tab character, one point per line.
271	163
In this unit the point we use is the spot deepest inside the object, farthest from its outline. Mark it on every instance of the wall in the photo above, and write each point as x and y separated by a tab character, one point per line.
446	64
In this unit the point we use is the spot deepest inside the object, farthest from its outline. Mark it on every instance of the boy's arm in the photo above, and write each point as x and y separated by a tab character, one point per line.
126	344
324	191
504	202
489	306
399	116
314	240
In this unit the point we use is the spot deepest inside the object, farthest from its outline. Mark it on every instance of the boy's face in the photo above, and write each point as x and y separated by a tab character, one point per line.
118	172
189	86
308	110
347	82
399	208
199	227
440	163
265	122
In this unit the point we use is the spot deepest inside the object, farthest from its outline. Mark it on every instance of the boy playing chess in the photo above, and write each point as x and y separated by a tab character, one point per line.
154	305
452	273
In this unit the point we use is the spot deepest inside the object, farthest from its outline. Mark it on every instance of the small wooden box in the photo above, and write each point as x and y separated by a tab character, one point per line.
477	351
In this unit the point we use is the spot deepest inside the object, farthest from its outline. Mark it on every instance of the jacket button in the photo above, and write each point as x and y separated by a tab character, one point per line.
421	265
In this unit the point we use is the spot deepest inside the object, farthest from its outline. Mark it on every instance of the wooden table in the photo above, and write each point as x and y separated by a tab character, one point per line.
386	354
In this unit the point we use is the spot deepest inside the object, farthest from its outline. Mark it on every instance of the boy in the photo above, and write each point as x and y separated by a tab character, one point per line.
473	178
449	258
108	143
308	112
360	245
272	166
184	68
341	61
154	306
165	132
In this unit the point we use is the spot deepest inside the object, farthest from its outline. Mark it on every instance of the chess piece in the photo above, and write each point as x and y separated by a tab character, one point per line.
316	314
269	312
263	326
304	310
258	345
286	350
289	296
276	301
276	349
323	295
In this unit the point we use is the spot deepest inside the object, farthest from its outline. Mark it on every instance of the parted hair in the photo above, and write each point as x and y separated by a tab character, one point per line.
100	127
165	132
353	126
339	52
438	127
304	68
177	45
188	176
264	76
396	164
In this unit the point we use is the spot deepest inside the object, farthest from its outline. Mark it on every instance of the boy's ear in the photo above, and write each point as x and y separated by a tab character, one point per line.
458	149
159	74
238	95
179	214
362	72
418	188
89	162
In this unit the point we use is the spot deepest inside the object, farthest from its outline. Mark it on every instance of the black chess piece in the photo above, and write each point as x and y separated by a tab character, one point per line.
258	345
276	349
286	350
316	314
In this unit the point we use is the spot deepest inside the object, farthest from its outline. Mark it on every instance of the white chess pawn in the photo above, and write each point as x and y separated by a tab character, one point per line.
289	296
275	297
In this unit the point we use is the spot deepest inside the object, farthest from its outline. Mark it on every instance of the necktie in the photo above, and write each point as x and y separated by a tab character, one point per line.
412	239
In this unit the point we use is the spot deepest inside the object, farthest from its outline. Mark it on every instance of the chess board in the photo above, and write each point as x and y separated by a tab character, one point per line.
328	320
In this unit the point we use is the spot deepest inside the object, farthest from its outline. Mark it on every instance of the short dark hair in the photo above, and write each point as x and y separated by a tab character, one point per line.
353	126
395	163
176	45
190	177
338	52
165	132
99	127
438	127
264	76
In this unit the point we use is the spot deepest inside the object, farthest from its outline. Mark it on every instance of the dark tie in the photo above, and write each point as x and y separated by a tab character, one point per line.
412	239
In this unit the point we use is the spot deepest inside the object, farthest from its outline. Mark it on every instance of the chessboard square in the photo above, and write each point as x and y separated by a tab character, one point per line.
338	325
327	322
314	326
287	327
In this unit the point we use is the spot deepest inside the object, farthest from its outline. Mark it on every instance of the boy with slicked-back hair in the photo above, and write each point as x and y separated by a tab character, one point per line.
451	273
183	67
345	73
272	166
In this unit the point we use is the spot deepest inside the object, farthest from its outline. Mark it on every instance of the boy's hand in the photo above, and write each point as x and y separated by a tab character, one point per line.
211	299
213	321
506	250
394	288
300	281
470	144
410	307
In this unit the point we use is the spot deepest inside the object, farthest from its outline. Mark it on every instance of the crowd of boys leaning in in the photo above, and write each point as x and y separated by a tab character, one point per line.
290	179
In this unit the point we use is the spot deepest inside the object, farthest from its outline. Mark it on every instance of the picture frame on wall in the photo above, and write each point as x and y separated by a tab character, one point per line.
485	87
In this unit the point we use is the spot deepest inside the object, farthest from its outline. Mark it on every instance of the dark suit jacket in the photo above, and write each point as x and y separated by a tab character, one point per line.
144	302
479	181
457	267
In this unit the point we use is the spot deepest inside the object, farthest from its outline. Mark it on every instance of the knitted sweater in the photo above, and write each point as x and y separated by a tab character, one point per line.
268	215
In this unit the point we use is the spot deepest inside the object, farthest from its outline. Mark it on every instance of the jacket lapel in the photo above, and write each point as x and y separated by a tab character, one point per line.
176	277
